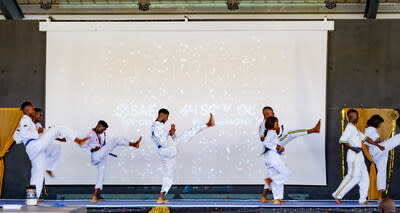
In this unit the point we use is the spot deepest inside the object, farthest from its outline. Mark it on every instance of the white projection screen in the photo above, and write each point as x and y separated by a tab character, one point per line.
124	72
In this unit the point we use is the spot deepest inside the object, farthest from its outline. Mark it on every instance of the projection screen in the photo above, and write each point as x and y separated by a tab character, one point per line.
124	72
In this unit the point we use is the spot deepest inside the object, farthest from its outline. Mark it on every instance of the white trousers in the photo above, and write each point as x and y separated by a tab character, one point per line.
284	140
357	173
168	156
381	158
53	151
278	172
39	157
99	158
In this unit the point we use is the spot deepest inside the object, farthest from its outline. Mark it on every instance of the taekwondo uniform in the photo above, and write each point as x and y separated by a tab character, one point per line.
357	172
381	157
167	147
284	139
278	171
53	152
36	147
284	136
99	157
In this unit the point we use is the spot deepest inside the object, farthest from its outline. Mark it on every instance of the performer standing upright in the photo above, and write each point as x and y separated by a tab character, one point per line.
380	157
357	172
101	147
35	146
283	139
166	142
278	171
53	150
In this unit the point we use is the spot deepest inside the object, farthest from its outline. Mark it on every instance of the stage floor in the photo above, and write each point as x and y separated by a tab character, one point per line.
209	205
196	203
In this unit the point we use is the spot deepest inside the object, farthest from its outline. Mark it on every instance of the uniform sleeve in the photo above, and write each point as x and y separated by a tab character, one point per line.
363	136
270	141
26	130
346	135
89	144
261	129
371	133
17	136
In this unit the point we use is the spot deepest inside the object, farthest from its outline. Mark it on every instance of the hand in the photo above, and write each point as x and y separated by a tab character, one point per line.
61	139
280	148
211	121
95	149
381	147
40	130
172	130
355	150
262	138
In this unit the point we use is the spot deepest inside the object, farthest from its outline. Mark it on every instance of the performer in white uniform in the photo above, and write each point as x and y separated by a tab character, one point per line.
166	142
278	171
380	157
284	138
53	150
357	172
35	146
101	147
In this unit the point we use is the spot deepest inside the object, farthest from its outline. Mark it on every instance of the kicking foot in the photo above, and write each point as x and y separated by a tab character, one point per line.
316	128
337	200
365	203
80	141
278	202
50	173
136	144
211	121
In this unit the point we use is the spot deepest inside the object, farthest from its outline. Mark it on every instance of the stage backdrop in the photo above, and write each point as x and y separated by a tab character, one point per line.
124	72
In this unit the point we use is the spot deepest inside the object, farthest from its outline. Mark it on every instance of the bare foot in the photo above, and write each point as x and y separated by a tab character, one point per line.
137	143
337	200
278	202
211	121
95	199
316	128
80	141
365	203
264	200
161	201
50	173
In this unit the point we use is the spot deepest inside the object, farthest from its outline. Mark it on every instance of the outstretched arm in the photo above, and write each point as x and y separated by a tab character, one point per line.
370	141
